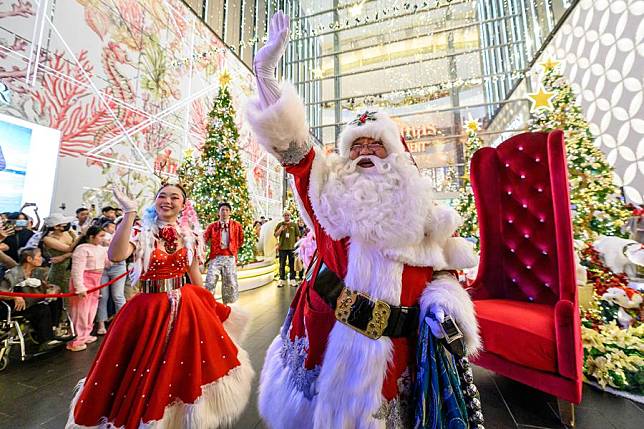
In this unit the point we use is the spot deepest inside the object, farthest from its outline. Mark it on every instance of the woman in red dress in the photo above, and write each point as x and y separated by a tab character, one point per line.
171	357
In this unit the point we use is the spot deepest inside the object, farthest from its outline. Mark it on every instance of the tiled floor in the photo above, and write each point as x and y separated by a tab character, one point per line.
36	394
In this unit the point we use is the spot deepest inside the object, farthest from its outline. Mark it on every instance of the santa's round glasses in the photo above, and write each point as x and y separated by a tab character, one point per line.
373	147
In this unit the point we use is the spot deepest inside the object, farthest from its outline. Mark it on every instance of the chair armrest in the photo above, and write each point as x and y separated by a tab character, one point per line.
568	336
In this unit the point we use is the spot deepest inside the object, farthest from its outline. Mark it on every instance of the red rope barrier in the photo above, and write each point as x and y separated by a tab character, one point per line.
61	295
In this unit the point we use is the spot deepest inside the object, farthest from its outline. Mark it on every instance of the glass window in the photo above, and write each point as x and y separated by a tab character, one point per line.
215	15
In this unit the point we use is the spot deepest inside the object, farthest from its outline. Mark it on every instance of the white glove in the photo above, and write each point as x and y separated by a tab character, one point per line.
434	319
267	58
127	205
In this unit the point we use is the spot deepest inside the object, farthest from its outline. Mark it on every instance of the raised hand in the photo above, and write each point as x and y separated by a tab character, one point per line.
268	57
124	201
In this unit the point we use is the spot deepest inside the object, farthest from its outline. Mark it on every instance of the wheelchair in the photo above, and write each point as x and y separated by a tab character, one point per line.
15	330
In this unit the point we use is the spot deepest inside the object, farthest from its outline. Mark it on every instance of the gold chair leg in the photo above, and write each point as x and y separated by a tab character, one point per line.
566	412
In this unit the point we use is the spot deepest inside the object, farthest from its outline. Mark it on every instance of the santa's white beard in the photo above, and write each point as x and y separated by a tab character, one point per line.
385	206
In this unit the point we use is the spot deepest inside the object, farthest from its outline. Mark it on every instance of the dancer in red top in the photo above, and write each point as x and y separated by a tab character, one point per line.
170	358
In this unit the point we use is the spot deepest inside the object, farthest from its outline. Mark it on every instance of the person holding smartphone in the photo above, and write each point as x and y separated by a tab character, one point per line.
21	234
6	262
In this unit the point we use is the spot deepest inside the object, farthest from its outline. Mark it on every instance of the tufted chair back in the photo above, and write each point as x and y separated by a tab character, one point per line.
523	208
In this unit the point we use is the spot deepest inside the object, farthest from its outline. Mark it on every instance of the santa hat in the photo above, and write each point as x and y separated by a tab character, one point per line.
374	124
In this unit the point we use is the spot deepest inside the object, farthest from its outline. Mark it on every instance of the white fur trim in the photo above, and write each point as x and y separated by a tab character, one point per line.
281	124
438	249
351	393
304	214
219	406
443	223
459	254
321	167
426	254
351	379
281	404
236	325
383	129
450	295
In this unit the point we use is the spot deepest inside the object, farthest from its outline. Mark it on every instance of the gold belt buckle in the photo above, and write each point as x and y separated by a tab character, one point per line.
380	311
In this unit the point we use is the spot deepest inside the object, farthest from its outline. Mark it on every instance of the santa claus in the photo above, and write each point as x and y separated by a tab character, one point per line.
346	354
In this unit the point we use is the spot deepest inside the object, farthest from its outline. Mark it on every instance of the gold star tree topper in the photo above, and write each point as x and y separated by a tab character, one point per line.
472	125
541	99
549	64
224	78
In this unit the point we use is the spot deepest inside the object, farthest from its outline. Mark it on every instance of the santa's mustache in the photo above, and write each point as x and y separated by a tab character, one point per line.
380	165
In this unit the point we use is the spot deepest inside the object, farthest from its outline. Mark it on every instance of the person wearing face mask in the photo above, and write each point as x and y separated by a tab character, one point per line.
18	224
171	357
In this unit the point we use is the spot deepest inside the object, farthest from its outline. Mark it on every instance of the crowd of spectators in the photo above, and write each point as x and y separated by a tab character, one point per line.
68	254
58	254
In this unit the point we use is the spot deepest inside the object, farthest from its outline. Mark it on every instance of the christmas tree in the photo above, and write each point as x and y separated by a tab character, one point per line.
218	174
291	205
465	204
593	194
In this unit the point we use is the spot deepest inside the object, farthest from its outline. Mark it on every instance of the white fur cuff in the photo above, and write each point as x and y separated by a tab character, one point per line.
450	295
237	323
281	128
443	222
459	254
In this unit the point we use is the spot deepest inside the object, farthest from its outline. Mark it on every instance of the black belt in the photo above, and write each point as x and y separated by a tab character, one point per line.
371	317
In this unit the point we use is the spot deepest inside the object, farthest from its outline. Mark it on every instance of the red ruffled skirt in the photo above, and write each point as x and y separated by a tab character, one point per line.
167	362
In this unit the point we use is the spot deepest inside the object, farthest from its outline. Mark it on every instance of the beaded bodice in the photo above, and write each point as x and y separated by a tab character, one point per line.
165	265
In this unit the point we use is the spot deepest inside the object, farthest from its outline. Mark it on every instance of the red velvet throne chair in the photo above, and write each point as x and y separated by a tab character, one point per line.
525	293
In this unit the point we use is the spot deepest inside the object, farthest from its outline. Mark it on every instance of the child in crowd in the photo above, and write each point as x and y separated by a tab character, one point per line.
88	261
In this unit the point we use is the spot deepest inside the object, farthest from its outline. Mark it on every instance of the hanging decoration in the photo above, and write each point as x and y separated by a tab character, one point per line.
420	95
396	10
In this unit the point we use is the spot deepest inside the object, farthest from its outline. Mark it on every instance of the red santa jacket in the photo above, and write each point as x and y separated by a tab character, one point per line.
328	374
213	236
314	319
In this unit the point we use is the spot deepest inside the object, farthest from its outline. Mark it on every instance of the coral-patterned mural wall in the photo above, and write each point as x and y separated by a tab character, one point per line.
129	83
